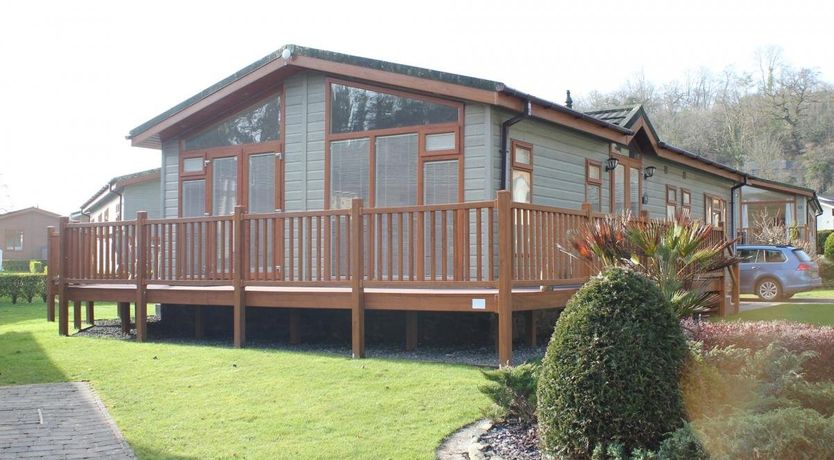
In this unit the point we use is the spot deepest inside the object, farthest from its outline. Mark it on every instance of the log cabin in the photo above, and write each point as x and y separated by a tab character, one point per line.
317	180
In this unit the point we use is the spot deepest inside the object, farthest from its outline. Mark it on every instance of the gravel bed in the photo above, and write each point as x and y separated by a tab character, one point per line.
472	355
511	441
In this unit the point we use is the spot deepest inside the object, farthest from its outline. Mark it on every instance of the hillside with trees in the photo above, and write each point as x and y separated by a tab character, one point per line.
776	122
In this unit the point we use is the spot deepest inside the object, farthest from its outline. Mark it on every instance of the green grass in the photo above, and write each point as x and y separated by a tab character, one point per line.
187	401
816	294
819	314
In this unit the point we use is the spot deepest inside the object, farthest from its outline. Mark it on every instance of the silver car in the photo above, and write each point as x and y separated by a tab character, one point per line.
776	272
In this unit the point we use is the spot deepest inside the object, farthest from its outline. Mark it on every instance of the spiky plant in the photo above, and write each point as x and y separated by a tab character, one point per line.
676	255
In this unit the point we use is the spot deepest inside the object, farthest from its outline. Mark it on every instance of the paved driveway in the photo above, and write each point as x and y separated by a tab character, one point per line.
57	420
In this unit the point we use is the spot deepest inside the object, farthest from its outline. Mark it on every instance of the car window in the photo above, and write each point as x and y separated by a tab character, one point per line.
747	256
802	255
774	256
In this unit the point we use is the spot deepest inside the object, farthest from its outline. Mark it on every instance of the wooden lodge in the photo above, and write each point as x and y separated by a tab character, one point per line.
316	180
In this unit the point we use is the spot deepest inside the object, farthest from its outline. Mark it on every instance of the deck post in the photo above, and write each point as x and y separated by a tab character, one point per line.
63	257
239	307
505	278
736	288
51	272
356	285
141	306
124	316
531	327
76	315
295	327
90	316
410	330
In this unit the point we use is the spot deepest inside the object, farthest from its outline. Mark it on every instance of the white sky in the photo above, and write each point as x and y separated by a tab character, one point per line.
76	76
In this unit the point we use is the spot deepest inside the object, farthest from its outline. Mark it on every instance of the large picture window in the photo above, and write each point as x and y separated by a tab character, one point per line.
355	109
237	160
714	210
380	144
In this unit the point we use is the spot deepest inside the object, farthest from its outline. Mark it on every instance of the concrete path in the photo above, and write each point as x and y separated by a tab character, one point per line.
57	421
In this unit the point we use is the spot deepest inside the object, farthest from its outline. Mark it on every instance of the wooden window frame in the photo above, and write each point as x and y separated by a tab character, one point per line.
595	182
241	152
708	197
421	131
687	207
528	168
673	201
628	163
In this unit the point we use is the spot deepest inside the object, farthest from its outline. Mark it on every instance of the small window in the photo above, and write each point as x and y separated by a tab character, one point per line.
593	185
774	256
193	198
522	156
440	142
14	240
686	198
262	183
522	174
192	165
671	202
522	186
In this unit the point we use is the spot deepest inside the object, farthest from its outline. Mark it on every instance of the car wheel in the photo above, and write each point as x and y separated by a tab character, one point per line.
768	289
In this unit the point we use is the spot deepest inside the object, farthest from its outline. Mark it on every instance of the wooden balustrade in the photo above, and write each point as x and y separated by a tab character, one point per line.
419	246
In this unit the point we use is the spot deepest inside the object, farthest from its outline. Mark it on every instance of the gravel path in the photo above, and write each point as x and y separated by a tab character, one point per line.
473	355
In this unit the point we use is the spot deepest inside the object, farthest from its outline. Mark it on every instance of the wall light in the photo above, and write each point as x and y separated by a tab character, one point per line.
611	164
648	172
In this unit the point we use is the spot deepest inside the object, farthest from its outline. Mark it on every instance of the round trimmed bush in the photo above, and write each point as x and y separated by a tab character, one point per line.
829	246
610	374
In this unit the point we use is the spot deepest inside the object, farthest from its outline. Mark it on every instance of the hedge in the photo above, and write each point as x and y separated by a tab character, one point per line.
24	266
822	235
27	286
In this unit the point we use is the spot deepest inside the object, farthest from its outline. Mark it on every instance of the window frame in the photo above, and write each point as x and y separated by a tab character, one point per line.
593	182
614	151
423	156
708	209
522	167
242	152
673	201
21	238
684	204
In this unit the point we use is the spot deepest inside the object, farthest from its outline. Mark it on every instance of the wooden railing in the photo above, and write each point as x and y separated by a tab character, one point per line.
419	246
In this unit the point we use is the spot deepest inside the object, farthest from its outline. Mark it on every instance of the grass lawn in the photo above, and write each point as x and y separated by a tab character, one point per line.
187	401
816	294
819	314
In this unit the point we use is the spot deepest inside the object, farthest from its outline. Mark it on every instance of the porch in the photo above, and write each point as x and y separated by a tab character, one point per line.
492	257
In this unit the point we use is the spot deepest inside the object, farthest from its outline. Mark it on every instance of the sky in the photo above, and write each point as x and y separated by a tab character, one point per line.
76	76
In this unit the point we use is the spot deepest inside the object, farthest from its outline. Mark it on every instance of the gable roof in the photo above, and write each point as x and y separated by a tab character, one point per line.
31	209
619	124
120	182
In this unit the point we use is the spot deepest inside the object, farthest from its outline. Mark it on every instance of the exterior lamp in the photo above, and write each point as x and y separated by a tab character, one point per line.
648	172
611	164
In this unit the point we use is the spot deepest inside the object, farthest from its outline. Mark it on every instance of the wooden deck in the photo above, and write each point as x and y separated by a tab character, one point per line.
492	257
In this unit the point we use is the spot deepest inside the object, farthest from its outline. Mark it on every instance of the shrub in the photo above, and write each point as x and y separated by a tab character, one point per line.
758	335
822	235
36	266
610	374
16	286
826	266
829	246
682	444
513	392
781	433
16	266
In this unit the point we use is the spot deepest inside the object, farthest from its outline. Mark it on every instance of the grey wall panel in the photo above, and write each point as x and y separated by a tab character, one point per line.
169	182
142	197
697	182
304	142
475	153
